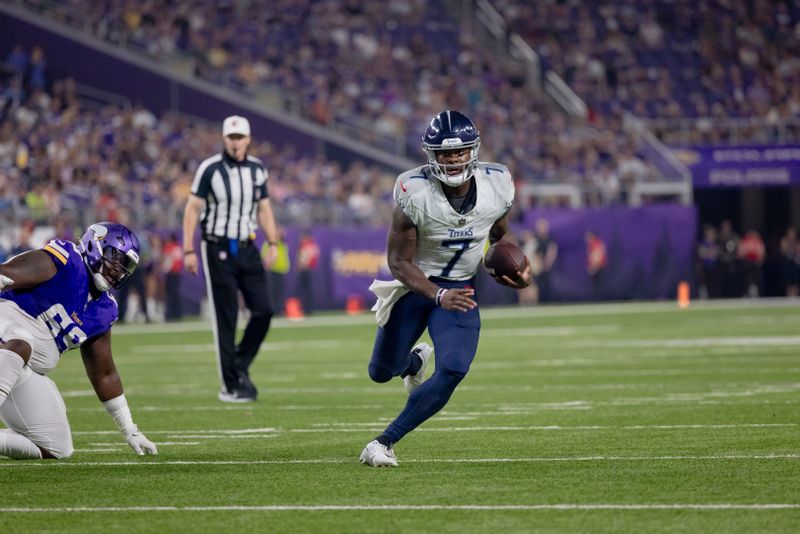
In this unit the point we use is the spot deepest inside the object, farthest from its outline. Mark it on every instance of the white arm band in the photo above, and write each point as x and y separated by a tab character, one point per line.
5	281
118	409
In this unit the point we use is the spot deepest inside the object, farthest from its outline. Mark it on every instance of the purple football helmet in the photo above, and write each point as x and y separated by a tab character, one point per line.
111	252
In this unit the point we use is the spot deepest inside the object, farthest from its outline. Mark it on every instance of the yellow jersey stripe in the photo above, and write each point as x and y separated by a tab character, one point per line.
56	253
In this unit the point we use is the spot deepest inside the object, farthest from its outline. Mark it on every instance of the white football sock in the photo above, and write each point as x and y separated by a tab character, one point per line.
11	365
18	446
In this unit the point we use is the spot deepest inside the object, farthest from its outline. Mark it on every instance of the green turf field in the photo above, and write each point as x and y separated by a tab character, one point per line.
624	418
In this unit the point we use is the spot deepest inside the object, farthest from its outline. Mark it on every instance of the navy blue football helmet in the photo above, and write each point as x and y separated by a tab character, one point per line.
451	130
111	252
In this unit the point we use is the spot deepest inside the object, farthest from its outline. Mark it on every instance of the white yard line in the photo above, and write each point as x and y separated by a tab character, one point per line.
407	507
360	427
577	310
551	331
160	443
752	341
154	461
270	346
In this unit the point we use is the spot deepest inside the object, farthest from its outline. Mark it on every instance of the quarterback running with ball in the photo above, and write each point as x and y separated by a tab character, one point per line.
53	300
446	210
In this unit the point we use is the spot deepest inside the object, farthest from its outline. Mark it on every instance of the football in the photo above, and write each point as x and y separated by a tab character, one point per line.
504	258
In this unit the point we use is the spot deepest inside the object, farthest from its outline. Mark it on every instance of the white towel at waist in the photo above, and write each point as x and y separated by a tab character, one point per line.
388	292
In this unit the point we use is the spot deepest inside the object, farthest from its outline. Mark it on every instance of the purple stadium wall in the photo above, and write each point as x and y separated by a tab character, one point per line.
650	251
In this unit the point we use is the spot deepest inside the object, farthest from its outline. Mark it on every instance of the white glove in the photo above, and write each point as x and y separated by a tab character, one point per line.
5	282
118	409
140	444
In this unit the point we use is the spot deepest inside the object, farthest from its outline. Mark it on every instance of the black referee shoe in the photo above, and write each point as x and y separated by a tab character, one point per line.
246	386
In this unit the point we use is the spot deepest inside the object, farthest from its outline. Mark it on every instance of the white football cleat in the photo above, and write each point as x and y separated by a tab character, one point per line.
424	351
377	455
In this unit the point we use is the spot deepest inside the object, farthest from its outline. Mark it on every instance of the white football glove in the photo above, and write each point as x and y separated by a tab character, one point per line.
140	444
118	409
5	281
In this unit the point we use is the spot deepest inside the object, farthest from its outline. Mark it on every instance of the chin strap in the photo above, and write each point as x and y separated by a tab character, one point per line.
100	282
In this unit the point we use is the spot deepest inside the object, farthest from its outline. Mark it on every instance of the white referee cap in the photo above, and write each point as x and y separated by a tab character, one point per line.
235	125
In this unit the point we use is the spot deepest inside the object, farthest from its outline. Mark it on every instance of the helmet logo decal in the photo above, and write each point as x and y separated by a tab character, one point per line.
452	141
99	230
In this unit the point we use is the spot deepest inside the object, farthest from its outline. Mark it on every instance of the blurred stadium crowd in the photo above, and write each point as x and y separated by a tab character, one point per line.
59	157
377	72
696	64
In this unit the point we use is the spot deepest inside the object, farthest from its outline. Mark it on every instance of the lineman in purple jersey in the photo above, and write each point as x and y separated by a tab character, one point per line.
446	211
53	300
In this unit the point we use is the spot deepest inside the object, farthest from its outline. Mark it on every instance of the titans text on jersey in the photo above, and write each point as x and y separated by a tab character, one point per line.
450	245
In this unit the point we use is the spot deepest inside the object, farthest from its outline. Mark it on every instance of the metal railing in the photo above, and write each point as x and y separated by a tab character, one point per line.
678	177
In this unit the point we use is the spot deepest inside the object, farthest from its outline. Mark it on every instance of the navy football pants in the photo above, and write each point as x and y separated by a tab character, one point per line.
455	340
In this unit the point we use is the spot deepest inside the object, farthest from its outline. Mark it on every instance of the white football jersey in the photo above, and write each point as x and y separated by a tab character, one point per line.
449	244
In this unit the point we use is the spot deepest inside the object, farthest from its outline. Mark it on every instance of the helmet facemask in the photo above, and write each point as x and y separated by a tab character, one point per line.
447	131
117	266
459	173
110	264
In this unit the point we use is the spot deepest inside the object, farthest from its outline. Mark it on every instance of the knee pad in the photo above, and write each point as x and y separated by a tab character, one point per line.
380	374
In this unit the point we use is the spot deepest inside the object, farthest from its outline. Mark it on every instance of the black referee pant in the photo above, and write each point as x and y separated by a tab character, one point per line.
228	271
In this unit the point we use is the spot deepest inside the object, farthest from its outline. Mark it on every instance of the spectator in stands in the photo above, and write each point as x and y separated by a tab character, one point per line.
596	263
172	267
708	258
543	259
17	60
730	283
790	262
307	262
23	243
278	271
36	69
752	253
137	283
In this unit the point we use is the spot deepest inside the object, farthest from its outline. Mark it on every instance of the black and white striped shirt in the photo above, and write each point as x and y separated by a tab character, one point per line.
232	190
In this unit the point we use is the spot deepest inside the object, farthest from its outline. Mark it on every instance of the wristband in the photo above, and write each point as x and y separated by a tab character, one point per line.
187	252
118	409
440	296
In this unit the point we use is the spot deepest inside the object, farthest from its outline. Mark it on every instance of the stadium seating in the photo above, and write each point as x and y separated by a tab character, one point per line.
378	74
697	71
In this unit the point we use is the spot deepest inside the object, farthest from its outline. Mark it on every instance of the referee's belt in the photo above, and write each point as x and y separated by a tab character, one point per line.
233	245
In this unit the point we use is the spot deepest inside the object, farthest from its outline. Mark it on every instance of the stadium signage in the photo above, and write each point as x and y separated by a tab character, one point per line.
738	166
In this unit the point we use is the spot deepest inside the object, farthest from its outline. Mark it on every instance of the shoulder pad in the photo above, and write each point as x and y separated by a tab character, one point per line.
60	249
500	179
494	170
411	182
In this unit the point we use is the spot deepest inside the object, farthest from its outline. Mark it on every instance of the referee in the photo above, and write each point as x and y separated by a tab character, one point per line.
230	190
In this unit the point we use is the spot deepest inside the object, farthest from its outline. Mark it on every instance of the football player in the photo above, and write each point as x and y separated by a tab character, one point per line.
446	210
53	300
